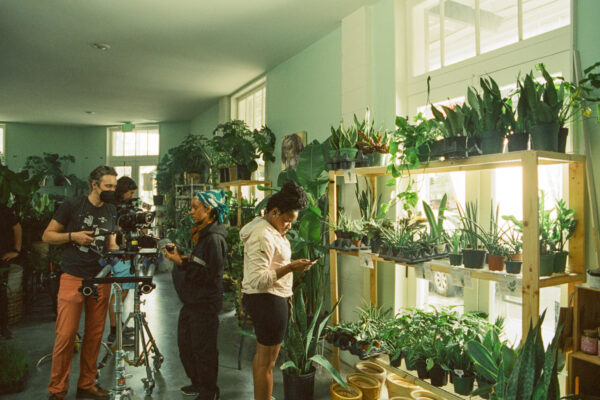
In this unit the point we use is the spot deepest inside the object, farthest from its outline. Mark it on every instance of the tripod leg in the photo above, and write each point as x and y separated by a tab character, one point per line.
158	357
149	380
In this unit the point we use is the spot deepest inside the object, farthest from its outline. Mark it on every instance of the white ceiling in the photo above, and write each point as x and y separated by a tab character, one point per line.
168	59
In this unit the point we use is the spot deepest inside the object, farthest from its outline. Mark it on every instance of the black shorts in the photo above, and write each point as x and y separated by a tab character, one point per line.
270	315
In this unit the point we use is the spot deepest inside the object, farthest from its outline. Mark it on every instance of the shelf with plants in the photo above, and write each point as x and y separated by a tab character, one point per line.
238	185
584	368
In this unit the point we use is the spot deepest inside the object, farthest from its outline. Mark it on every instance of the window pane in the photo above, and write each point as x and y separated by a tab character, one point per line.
129	149
124	170
147	183
459	30
541	16
118	143
141	143
153	140
498	23
250	111
432	16
242	110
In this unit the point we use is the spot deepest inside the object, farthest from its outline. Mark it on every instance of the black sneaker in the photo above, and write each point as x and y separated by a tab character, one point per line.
126	341
190	390
215	396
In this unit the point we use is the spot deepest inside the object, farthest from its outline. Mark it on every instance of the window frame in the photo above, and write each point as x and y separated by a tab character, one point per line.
2	143
246	92
546	36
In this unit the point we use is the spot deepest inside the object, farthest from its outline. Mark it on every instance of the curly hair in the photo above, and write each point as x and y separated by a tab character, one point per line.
124	184
291	197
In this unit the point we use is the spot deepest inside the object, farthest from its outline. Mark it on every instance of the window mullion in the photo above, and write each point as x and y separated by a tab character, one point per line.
477	28
520	18
442	37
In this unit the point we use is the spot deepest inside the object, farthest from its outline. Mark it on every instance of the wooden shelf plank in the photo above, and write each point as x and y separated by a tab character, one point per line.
586	287
590	358
444	394
442	265
244	183
488	161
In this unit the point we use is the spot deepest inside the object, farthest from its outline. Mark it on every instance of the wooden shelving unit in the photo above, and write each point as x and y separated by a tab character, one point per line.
530	279
584	369
238	185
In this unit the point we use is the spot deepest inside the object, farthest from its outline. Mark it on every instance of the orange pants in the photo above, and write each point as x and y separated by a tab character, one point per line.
70	303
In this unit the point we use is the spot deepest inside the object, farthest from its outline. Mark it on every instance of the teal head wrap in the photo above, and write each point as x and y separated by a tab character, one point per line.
217	200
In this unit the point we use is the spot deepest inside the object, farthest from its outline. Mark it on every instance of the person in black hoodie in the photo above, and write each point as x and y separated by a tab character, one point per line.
198	281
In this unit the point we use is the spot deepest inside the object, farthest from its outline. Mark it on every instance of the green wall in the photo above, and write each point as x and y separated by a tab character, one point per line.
172	133
304	93
587	32
206	122
86	144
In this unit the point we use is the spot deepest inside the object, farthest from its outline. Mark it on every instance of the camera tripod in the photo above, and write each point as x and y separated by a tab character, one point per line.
144	285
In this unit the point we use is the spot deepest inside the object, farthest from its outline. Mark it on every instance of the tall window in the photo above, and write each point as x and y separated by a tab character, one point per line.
445	32
135	154
248	105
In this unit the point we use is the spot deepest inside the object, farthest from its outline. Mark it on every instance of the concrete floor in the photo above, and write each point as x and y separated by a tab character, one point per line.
36	334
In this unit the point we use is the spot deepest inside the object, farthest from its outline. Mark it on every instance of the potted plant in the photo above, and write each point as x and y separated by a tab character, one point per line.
529	373
372	142
458	127
493	241
543	111
13	369
436	226
563	228
455	242
473	257
300	349
343	146
518	133
547	241
237	144
51	165
514	242
492	116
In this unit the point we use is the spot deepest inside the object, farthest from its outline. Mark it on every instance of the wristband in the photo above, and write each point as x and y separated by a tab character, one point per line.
70	237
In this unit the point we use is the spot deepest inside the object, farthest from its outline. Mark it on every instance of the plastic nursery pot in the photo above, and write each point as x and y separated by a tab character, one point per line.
560	261
361	160
495	263
338	392
455	259
375	245
298	387
546	264
372	369
513	266
463	384
473	258
492	142
516	257
422	372
398	386
544	137
396	361
518	142
423	394
350	152
368	385
378	159
438	148
438	375
455	147
562	140
357	243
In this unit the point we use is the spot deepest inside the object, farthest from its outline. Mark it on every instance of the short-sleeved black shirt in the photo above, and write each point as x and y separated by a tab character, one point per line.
78	214
8	220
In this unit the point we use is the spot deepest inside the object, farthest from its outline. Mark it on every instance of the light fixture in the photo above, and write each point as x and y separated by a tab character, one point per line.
100	46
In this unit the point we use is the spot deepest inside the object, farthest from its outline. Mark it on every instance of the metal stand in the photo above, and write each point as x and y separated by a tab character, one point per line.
143	347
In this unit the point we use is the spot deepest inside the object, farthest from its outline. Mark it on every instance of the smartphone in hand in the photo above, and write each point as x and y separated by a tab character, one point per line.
314	260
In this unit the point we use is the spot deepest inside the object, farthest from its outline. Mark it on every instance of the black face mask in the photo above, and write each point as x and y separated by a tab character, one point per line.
108	196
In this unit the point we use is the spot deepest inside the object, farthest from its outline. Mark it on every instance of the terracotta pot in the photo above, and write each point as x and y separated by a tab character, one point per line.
517	257
368	385
337	392
398	386
495	263
372	369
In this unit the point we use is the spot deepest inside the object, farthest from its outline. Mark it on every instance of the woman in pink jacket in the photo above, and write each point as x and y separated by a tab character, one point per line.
268	278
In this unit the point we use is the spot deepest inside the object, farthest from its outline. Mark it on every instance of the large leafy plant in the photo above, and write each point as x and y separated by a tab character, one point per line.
532	374
237	144
436	225
490	106
301	340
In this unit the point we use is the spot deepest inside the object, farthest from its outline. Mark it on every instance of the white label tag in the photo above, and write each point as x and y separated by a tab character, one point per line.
350	175
509	285
366	261
461	277
427	272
